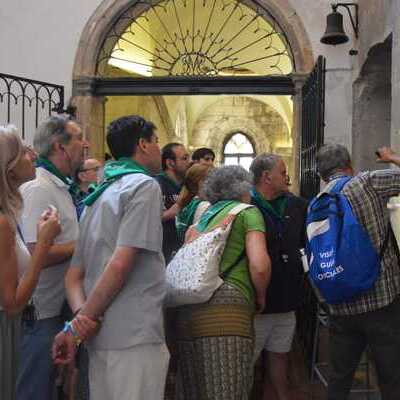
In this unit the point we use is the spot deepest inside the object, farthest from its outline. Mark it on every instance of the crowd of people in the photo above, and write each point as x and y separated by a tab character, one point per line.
84	250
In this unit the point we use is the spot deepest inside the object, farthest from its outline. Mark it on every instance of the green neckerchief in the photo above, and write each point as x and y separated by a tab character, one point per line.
45	163
276	206
113	171
171	181
211	212
185	217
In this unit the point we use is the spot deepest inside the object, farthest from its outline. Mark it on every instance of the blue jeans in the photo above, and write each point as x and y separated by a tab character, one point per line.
36	372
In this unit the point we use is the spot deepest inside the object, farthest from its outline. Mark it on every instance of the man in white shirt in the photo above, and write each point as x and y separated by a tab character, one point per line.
60	146
117	273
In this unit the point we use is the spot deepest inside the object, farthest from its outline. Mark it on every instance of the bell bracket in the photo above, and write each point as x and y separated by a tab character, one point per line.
354	20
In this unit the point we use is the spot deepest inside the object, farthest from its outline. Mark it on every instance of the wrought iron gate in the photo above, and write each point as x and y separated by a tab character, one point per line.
312	132
312	138
25	102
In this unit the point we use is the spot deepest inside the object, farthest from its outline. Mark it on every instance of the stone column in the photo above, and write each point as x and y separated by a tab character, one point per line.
90	114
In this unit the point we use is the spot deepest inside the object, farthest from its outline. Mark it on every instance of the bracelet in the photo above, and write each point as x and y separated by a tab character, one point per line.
69	328
77	312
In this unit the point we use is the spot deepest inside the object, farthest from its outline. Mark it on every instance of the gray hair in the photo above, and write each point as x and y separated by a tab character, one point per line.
226	183
51	131
332	158
263	162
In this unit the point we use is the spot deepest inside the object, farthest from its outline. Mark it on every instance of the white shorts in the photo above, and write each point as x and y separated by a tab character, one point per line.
136	373
274	332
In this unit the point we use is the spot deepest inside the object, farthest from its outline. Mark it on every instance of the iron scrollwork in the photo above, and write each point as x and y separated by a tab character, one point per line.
196	38
22	99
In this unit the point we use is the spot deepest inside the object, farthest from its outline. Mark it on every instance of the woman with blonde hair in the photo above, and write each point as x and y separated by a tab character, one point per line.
19	270
191	203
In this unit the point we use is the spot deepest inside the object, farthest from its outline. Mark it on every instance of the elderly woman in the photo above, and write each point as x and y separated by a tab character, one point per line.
216	339
19	271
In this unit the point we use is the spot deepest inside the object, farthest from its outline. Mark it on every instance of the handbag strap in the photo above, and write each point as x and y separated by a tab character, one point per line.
240	207
234	212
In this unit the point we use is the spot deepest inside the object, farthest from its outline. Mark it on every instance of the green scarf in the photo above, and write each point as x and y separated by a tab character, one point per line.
171	181
276	207
73	188
185	217
211	212
113	171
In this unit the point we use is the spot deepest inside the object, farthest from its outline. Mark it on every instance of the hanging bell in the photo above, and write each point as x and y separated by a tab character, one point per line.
334	33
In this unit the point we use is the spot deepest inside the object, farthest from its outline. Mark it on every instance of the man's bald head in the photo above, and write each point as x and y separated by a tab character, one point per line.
87	174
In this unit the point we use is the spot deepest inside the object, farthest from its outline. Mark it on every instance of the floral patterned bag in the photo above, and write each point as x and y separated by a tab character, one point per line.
193	274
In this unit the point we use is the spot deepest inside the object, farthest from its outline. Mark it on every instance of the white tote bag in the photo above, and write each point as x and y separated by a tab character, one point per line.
193	274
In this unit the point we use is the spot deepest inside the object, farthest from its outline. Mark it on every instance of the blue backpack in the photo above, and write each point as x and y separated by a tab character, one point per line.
343	262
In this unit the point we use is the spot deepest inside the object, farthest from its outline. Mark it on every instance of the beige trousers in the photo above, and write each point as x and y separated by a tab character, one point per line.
137	373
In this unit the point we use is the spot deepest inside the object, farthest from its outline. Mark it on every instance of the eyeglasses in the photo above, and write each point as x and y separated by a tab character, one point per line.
184	158
90	169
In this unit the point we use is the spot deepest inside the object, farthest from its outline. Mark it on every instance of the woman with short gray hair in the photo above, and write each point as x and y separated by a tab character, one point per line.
215	339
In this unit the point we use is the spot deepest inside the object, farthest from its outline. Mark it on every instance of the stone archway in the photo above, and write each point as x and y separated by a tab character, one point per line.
105	15
91	109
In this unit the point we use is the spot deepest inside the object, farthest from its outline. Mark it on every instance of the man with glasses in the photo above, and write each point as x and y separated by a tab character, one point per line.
88	175
175	163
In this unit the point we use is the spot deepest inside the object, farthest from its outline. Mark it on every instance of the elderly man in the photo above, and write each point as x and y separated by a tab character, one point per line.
284	215
372	318
60	145
87	176
117	274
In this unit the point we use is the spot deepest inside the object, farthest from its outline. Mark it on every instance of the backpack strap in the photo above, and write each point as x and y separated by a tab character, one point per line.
338	186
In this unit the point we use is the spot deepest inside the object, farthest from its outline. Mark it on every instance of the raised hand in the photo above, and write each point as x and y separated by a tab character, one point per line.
385	155
48	225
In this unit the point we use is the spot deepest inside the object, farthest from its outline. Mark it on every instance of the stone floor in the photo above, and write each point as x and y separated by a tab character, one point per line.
302	389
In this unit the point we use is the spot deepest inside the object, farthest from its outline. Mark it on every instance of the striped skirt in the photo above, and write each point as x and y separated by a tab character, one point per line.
215	348
10	329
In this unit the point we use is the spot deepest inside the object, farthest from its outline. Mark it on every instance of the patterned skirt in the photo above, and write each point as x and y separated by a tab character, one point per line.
215	348
10	330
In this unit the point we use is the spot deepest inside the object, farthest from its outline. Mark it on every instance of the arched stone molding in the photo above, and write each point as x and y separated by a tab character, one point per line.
165	117
108	12
100	23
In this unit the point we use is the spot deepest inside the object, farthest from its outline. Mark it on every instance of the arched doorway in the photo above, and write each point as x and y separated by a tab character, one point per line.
108	36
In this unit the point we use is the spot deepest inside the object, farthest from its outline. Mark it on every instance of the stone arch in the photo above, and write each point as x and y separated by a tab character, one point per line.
90	109
108	11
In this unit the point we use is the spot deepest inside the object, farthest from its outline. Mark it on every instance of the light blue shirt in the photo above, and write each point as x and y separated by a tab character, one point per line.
128	214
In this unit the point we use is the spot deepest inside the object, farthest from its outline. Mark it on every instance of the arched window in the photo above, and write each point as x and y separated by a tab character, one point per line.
239	150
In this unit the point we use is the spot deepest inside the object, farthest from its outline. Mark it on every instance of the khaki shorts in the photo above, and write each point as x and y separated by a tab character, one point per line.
274	332
136	373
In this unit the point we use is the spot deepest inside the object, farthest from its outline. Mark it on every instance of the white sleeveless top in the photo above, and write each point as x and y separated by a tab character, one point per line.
23	256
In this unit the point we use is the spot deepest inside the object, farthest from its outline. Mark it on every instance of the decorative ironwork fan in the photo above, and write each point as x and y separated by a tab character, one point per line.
195	38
